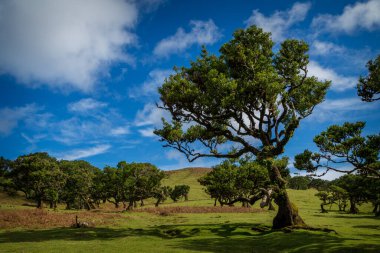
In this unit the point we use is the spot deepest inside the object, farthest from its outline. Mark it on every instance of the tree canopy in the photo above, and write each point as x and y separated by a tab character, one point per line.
248	98
343	145
369	86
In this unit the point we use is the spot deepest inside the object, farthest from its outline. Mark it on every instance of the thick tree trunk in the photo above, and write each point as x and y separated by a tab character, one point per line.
353	208
287	214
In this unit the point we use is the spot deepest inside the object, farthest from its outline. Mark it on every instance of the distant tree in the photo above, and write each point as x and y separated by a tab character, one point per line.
340	196
38	175
77	189
142	181
114	185
343	145
299	182
6	183
356	189
333	195
248	97
326	198
369	86
180	191
161	194
319	184
373	194
230	182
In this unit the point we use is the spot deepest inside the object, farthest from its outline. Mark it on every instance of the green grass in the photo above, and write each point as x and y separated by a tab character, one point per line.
208	232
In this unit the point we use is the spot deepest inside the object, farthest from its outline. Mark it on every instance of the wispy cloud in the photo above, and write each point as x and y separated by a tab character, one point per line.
338	82
85	152
360	16
65	44
149	118
85	105
335	110
202	33
10	117
119	131
150	115
155	79
279	22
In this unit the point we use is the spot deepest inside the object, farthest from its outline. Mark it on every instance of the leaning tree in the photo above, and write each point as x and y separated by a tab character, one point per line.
247	100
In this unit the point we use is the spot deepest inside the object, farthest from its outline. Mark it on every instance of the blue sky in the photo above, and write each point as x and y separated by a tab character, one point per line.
79	79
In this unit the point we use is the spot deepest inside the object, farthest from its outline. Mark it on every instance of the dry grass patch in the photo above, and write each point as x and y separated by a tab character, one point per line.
37	218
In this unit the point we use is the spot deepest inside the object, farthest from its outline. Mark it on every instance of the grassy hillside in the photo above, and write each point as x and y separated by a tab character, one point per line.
188	176
184	227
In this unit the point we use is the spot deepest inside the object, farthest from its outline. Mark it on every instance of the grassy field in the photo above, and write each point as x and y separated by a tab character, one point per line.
178	227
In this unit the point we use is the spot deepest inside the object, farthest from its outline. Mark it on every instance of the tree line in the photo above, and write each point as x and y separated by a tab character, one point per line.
79	185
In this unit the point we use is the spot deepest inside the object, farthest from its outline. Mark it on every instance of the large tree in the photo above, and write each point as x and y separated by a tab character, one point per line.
369	86
248	98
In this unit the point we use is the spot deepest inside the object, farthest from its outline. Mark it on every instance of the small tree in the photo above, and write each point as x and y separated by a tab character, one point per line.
326	198
299	182
161	194
141	182
248	98
355	188
180	191
369	86
230	182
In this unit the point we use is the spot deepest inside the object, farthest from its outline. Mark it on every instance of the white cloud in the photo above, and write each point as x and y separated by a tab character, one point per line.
147	132
86	152
119	131
361	15
331	175
85	105
202	33
338	82
64	44
150	118
10	117
326	48
151	115
334	110
155	79
279	22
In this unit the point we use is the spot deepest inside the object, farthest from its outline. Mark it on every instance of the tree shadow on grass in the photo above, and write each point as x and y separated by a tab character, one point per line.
231	237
